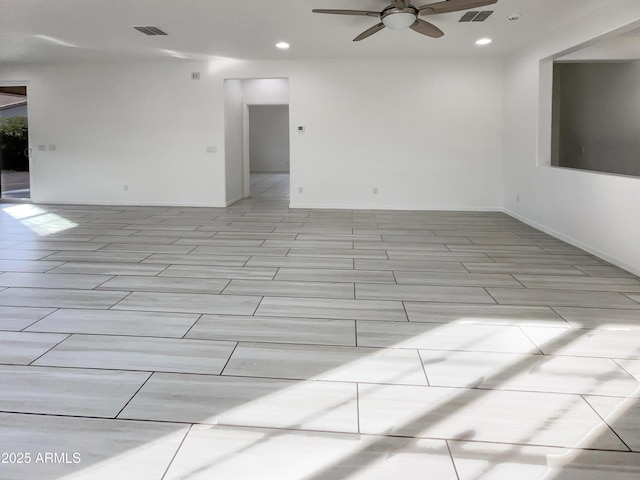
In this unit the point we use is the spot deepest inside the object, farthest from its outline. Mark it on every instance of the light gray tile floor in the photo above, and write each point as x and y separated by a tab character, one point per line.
257	341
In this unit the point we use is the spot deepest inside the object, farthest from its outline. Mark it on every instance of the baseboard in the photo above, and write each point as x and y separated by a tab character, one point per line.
237	199
410	208
576	243
129	204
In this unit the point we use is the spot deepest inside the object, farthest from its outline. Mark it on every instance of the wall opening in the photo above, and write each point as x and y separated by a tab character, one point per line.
590	105
242	97
15	181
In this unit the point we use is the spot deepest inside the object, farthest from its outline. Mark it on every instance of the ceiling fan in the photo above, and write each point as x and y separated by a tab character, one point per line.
401	14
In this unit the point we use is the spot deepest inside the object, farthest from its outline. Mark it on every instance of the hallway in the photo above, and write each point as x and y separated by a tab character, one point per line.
269	185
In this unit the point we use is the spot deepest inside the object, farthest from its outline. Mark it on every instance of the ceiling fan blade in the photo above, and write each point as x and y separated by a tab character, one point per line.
367	13
453	6
426	28
369	32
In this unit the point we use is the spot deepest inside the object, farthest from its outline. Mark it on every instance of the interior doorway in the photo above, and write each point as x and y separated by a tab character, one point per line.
256	111
268	150
15	180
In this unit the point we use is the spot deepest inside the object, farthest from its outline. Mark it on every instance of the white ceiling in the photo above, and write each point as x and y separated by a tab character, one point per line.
45	31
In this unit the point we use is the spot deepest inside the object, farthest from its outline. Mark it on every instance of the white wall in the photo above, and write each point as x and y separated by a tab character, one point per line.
426	133
143	125
265	90
595	211
233	136
269	138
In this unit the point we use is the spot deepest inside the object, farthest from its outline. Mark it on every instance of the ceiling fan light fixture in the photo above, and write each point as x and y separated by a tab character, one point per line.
399	20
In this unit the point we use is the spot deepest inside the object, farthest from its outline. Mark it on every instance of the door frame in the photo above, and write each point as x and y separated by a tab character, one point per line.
246	166
21	83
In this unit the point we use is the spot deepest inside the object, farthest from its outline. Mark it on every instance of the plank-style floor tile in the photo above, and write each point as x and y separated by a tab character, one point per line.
332	308
561	298
419	265
328	406
600	318
98	257
598	284
109	268
52	280
417	247
457	279
523	269
300	262
200	271
22	348
586	343
479	338
289	289
188	303
337	275
532	373
148	239
59	298
35	266
547	259
67	391
495	461
163	284
239	250
61	245
244	453
101	449
483	415
147	248
186	259
606	271
116	322
483	314
139	353
346	364
423	293
17	318
275	329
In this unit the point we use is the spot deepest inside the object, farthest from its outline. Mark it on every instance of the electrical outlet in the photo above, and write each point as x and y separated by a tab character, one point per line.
125	188
195	76
212	149
375	190
300	190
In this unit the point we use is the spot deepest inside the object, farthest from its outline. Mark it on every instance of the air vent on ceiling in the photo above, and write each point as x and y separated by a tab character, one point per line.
475	16
150	30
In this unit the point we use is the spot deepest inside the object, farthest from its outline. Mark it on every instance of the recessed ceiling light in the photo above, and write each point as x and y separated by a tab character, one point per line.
483	41
282	45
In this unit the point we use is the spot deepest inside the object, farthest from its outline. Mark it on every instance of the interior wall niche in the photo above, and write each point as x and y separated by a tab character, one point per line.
596	107
596	121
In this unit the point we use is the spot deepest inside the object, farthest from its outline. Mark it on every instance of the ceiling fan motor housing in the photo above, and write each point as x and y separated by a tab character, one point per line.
399	18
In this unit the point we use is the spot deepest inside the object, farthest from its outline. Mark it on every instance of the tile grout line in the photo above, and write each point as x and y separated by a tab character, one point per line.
453	461
582	396
176	452
135	393
69	335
